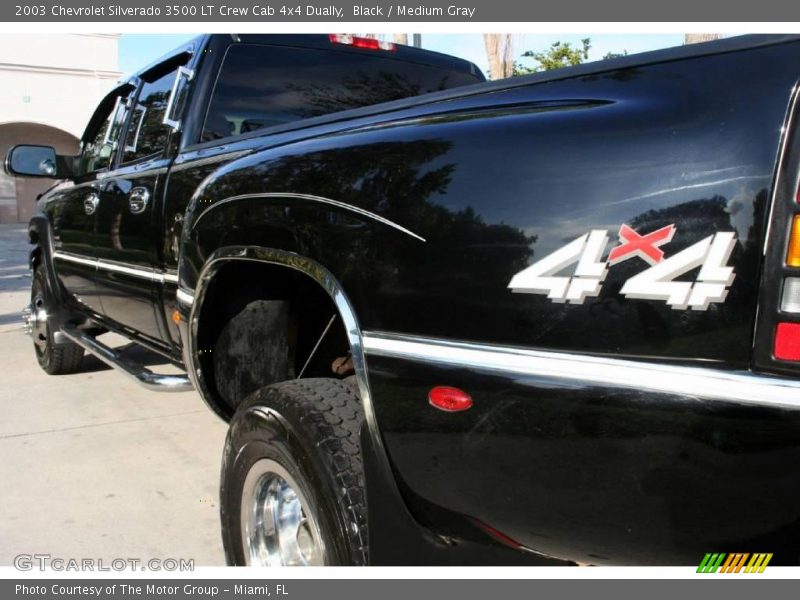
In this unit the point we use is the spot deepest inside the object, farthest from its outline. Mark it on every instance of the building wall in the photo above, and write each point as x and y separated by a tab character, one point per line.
49	87
18	194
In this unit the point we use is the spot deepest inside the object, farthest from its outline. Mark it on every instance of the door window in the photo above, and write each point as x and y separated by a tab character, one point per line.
103	133
147	134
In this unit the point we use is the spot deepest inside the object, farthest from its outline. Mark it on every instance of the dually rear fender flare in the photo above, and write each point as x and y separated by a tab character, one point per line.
307	266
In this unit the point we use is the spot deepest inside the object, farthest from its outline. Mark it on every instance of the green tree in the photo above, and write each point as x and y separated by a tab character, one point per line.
559	55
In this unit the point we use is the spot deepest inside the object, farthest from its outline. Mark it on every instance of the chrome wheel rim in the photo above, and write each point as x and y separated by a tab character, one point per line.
278	529
36	322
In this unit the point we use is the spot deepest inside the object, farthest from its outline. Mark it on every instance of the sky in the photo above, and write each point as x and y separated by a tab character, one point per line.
139	50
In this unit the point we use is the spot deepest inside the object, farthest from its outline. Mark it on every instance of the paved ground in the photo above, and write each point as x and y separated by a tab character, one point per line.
91	465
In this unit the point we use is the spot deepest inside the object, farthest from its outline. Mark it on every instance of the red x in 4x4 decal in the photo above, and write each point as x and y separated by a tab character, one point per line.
645	246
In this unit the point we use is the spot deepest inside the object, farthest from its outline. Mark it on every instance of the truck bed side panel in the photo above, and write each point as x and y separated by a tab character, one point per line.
425	218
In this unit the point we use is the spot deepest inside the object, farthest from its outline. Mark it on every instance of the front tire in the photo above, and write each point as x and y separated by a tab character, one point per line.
292	483
55	359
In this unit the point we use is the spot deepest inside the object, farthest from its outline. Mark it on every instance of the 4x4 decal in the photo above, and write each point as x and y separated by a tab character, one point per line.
657	282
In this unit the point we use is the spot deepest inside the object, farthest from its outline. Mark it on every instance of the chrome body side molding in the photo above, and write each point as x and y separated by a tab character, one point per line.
118	267
702	383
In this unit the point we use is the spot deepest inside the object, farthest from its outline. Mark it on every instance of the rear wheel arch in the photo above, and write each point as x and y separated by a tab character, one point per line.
371	447
280	266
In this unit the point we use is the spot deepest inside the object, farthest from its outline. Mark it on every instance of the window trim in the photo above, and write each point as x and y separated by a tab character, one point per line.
130	88
153	74
114	93
182	72
136	106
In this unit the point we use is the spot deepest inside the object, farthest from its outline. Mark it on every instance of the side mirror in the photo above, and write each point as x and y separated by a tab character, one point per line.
32	161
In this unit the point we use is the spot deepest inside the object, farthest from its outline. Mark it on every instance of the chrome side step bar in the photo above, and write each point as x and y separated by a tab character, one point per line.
140	374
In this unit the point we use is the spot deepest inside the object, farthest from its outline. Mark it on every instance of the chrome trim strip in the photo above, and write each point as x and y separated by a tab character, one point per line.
698	383
783	149
336	203
116	267
150	274
107	141
89	262
191	163
167	119
184	297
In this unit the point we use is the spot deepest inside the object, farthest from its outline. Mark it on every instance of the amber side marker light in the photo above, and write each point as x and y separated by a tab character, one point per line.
793	253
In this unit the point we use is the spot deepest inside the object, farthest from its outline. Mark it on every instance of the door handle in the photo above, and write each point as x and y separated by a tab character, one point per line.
138	199
90	203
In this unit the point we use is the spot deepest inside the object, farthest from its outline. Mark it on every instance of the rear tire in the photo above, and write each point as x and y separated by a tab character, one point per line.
293	449
55	359
260	329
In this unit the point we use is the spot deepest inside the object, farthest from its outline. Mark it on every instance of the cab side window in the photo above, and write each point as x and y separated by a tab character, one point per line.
264	86
147	135
97	151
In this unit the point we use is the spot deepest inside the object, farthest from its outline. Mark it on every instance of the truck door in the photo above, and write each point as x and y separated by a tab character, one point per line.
129	275
74	214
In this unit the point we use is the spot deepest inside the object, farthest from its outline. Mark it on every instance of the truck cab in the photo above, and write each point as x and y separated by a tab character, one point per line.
117	232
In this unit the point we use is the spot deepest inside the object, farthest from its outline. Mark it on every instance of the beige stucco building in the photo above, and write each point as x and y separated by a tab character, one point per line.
49	86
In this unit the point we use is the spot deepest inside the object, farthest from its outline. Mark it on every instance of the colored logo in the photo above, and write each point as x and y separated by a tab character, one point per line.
720	562
645	247
659	281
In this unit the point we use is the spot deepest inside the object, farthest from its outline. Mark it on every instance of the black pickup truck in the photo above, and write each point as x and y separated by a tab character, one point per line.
546	320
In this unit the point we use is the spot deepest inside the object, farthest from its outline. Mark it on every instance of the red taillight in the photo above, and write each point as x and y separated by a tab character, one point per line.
449	399
362	42
787	341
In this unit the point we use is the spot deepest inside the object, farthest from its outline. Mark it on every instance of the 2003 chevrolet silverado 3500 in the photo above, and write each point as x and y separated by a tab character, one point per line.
546	320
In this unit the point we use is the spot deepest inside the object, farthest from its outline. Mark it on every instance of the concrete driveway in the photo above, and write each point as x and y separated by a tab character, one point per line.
93	466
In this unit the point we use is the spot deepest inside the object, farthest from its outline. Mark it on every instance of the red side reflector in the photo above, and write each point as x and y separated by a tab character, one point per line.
787	341
361	42
449	399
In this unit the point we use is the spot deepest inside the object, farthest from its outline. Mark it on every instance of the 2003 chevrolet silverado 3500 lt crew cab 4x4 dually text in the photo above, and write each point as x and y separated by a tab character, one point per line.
546	320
